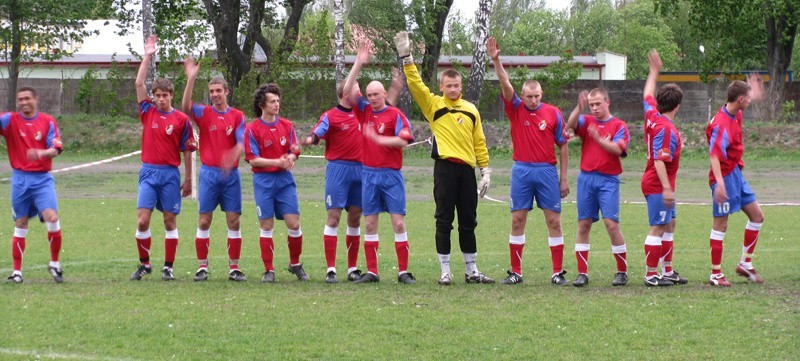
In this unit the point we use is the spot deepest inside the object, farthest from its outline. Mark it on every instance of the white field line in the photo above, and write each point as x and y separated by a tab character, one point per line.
87	165
55	355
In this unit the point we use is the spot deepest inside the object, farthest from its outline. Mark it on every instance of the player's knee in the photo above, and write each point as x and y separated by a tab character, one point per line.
611	226
332	222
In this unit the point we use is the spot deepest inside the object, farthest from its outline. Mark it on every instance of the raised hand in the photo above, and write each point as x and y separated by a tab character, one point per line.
362	57
192	68
583	99
492	48
150	45
654	60
402	44
756	86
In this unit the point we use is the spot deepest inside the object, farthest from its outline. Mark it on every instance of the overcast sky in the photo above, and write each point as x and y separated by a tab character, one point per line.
469	7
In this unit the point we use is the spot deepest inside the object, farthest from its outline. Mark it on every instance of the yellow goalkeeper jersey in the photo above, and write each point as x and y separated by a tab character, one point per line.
456	124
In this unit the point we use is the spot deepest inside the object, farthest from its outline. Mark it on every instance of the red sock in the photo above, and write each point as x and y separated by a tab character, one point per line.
55	244
170	249
402	255
666	255
750	240
371	253
557	256
329	243
295	248
234	252
652	255
622	261
583	261
515	251
352	243
143	245
716	256
267	252
201	245
17	249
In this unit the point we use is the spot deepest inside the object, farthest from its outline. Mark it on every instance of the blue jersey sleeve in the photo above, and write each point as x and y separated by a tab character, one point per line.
145	105
239	134
559	133
322	126
253	145
197	110
5	120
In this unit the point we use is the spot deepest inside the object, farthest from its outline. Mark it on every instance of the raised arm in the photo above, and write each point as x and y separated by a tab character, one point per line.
493	50
192	69
351	85
419	91
149	51
583	102
398	82
655	68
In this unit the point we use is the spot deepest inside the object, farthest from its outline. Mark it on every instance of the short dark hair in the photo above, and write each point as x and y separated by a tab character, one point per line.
218	80
600	91
736	89
449	73
668	97
163	85
260	96
27	89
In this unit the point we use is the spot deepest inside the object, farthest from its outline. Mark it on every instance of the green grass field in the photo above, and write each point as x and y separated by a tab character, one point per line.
99	314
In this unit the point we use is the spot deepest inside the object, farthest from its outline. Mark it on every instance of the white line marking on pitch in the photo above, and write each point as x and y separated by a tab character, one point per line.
56	355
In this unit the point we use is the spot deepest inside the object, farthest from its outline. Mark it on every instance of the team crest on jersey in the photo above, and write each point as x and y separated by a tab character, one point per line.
542	125
212	128
460	121
664	154
155	125
170	128
228	130
37	135
22	134
267	143
283	141
345	126
381	128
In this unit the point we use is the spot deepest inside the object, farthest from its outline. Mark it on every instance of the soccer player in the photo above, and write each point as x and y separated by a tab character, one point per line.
458	145
166	132
341	131
386	131
33	140
271	149
605	141
729	188
664	145
221	133
535	128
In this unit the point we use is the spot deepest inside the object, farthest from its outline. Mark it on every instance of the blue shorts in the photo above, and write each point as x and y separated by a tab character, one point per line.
598	192
739	194
538	181
657	212
384	190
32	193
275	194
219	187
342	184
160	187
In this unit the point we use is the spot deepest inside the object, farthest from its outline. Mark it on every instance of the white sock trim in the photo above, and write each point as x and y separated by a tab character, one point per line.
234	234
555	241
652	241
173	234
203	234
266	233
717	235
668	237
516	239
371	237
753	226
330	231
353	231
143	235
56	226
401	237
20	232
581	247
295	233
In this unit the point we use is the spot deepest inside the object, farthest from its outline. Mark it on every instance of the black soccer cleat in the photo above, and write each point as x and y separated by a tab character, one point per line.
237	276
141	272
167	275
368	277
14	278
330	277
406	278
201	275
675	278
299	272
656	281
477	277
581	280
57	273
558	279
353	276
620	279
269	277
512	278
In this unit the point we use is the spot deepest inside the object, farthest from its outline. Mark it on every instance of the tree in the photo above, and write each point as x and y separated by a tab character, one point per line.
591	24
550	27
507	13
34	29
459	33
338	38
478	68
430	17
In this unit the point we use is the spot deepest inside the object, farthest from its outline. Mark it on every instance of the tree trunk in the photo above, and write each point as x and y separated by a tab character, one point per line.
338	38
148	28
430	59
479	55
16	53
781	33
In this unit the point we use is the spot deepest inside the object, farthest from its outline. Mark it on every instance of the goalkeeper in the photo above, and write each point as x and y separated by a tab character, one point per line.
458	144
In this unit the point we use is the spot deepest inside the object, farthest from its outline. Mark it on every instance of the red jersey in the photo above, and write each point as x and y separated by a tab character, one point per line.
663	143
593	157
165	135
533	131
724	136
219	132
388	121
342	133
39	132
269	141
